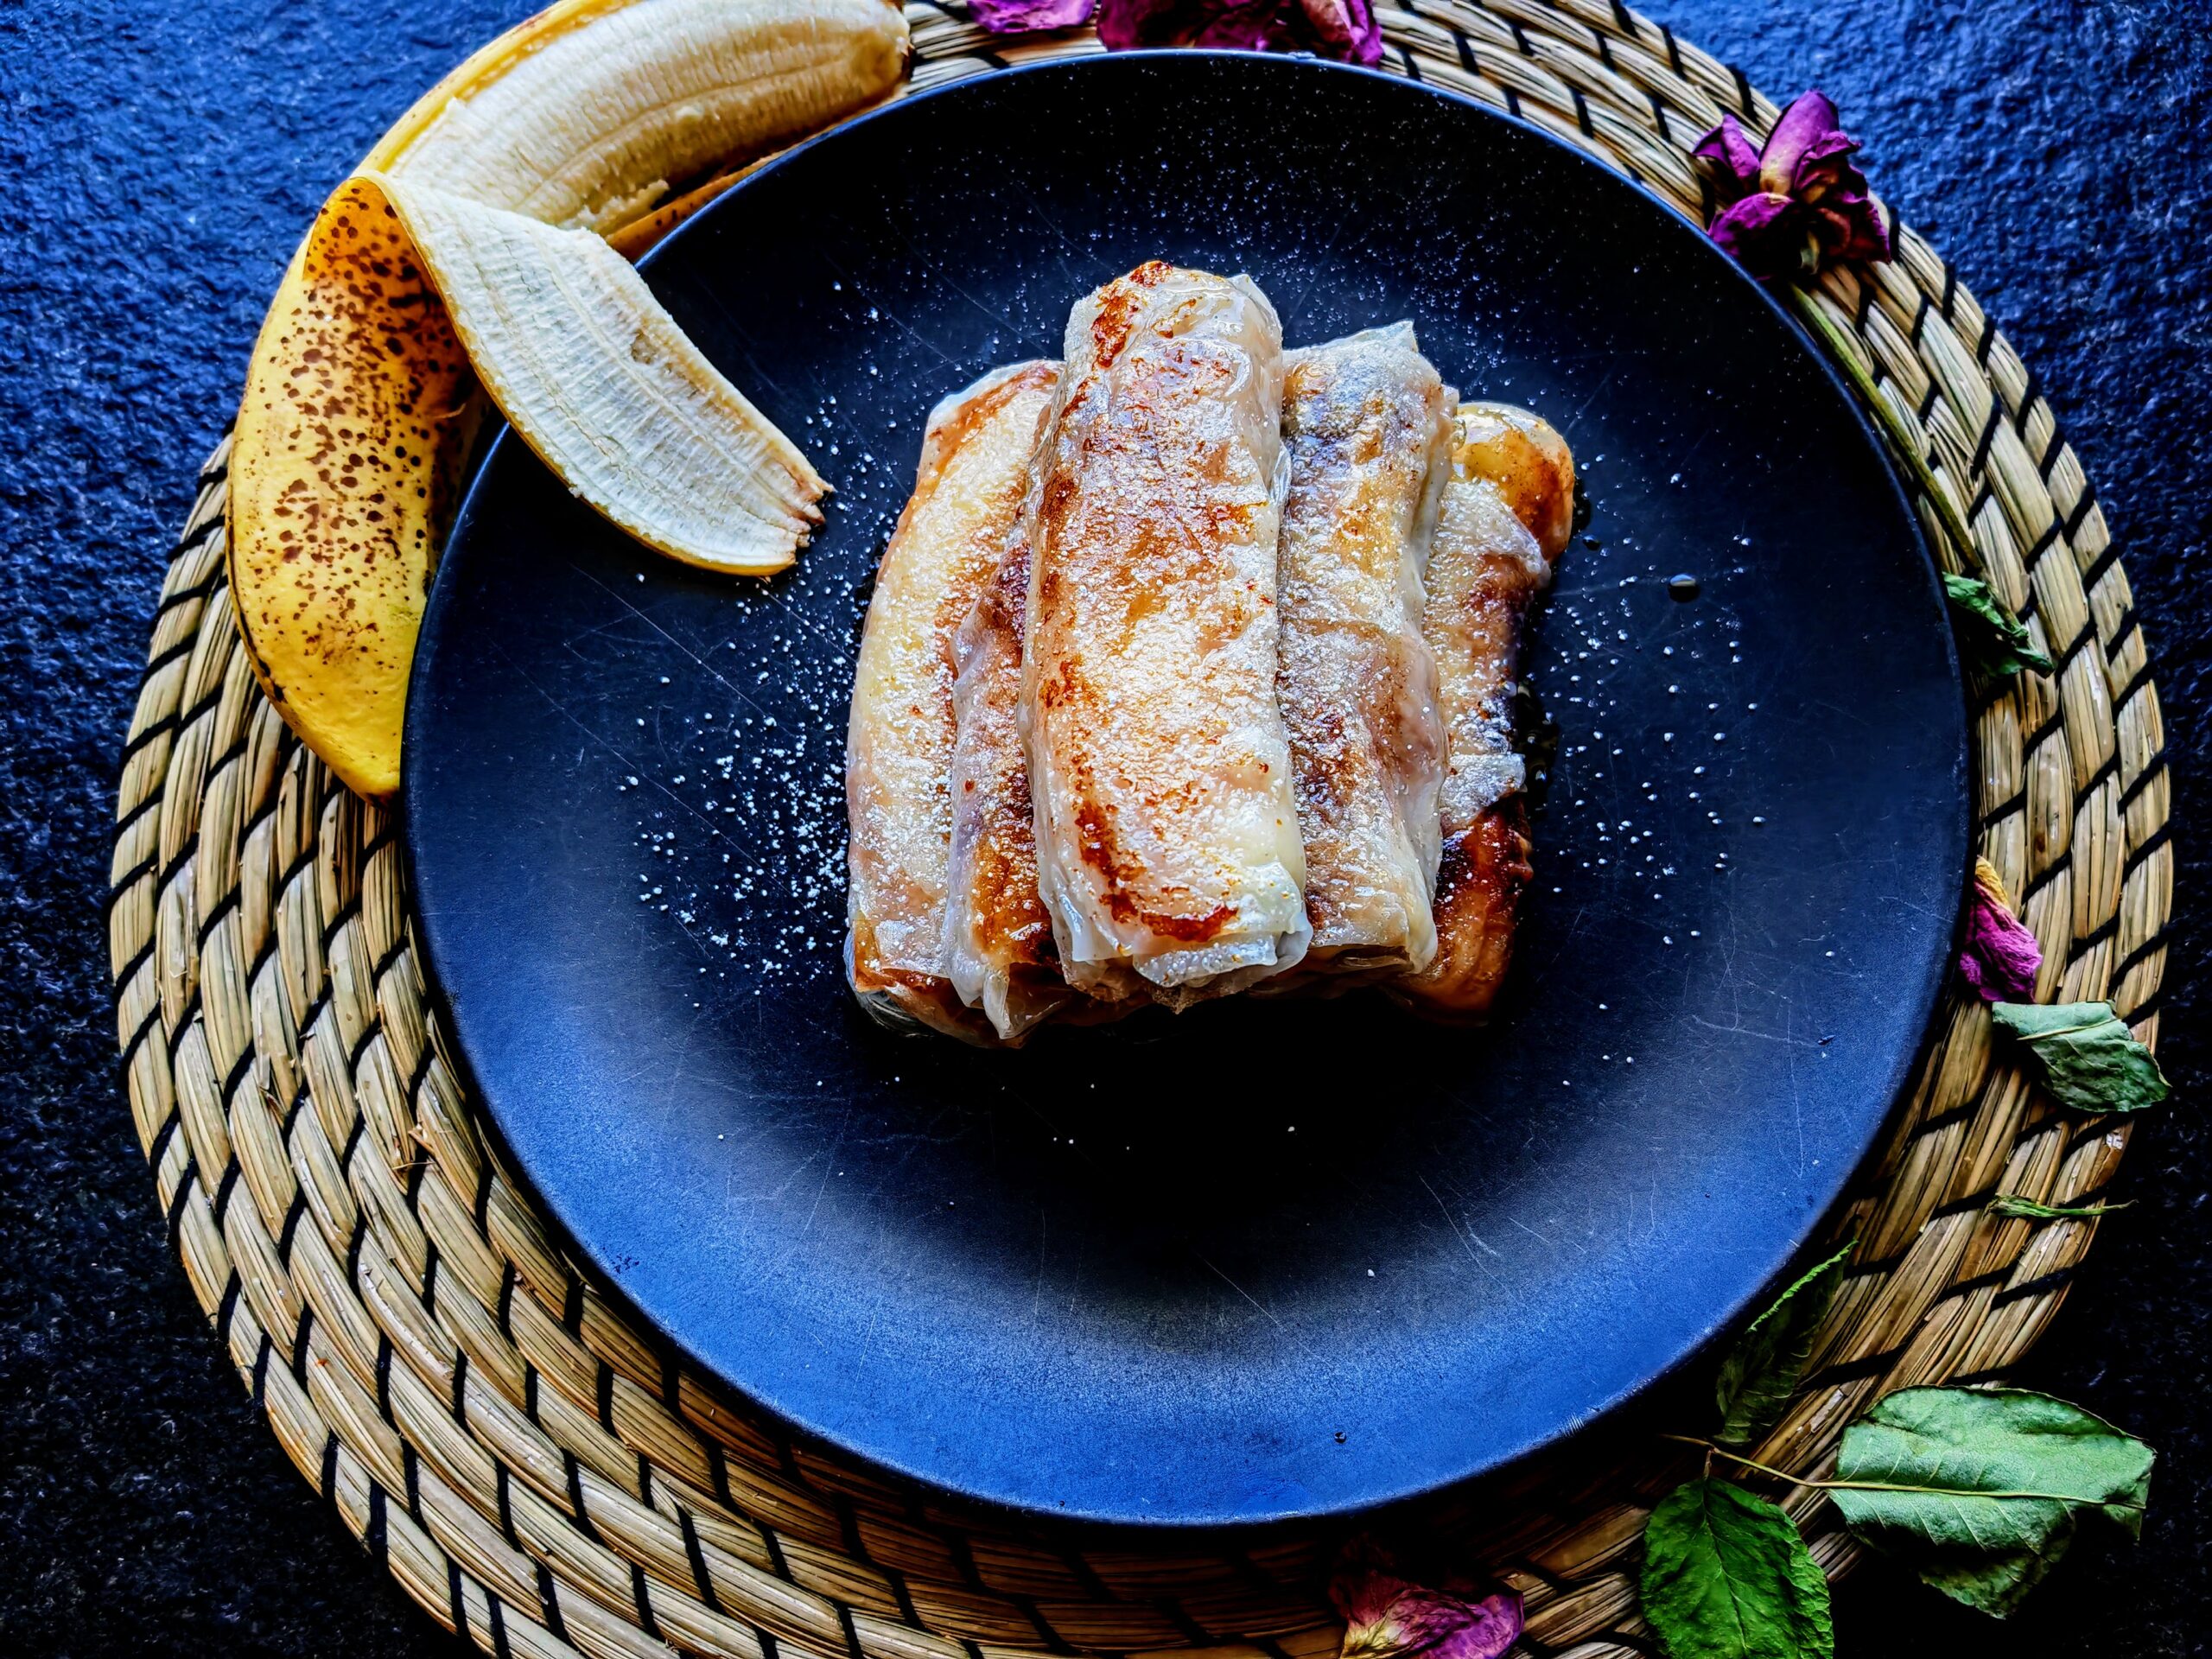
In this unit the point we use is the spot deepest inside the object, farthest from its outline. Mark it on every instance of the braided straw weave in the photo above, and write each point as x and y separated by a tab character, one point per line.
538	1471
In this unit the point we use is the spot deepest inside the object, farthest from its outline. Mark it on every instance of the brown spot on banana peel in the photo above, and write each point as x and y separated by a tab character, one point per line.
359	413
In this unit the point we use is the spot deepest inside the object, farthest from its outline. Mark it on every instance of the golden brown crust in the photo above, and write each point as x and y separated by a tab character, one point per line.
1478	887
1507	515
1366	423
902	1000
1167	830
968	492
1009	918
1000	951
1524	458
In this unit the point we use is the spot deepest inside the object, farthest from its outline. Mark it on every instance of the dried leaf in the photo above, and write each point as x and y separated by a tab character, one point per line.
2000	1481
2091	1062
1727	1575
1993	642
1764	1369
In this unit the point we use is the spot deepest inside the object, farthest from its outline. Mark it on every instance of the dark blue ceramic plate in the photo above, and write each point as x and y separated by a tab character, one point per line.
1261	1262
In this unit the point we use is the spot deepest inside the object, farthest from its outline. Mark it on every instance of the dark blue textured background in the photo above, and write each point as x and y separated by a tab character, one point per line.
159	160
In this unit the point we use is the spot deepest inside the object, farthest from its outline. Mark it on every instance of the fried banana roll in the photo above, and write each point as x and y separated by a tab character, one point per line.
969	498
1508	509
1367	423
1167	825
998	937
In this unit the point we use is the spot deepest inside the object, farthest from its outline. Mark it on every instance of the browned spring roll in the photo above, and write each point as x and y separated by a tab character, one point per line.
1507	513
1368	424
967	497
998	936
1167	822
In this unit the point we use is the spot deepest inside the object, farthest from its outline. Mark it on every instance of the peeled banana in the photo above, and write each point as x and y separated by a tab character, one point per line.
641	426
474	231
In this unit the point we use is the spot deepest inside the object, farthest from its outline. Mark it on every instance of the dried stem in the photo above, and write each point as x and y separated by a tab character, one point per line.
1903	439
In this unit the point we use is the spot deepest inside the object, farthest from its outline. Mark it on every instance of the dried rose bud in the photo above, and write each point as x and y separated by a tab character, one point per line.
1799	202
1343	30
1019	16
2000	958
1389	1617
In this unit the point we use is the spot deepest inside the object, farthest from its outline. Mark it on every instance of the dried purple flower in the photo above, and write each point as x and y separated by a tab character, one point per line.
1343	30
2000	958
1799	202
1019	16
1389	1617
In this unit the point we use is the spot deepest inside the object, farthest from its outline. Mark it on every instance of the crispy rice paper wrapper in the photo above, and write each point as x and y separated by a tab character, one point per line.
1367	423
1166	826
1506	514
969	496
998	936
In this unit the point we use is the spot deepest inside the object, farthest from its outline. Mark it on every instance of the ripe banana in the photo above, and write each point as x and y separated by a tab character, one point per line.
643	428
474	231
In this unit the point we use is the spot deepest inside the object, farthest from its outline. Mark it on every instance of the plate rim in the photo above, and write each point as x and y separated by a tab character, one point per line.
414	762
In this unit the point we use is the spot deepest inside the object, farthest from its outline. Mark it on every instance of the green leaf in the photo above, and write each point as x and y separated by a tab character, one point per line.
1727	1575
2091	1062
1763	1369
2004	1477
1993	641
2012	1204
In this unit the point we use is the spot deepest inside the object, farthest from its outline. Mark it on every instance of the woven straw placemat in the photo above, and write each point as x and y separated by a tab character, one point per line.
539	1472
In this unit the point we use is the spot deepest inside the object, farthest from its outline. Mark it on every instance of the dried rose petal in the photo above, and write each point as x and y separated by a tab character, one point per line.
1797	202
2000	958
1346	29
1343	30
1768	236
1389	1617
1804	146
1852	227
1732	156
1019	16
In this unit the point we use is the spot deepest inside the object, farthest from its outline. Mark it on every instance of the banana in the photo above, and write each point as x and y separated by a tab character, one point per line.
474	228
641	426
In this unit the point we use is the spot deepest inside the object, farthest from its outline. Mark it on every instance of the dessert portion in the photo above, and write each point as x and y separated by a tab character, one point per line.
1167	837
1368	422
1506	514
998	936
968	495
1190	669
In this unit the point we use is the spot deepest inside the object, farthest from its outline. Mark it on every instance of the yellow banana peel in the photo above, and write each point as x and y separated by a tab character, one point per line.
475	229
